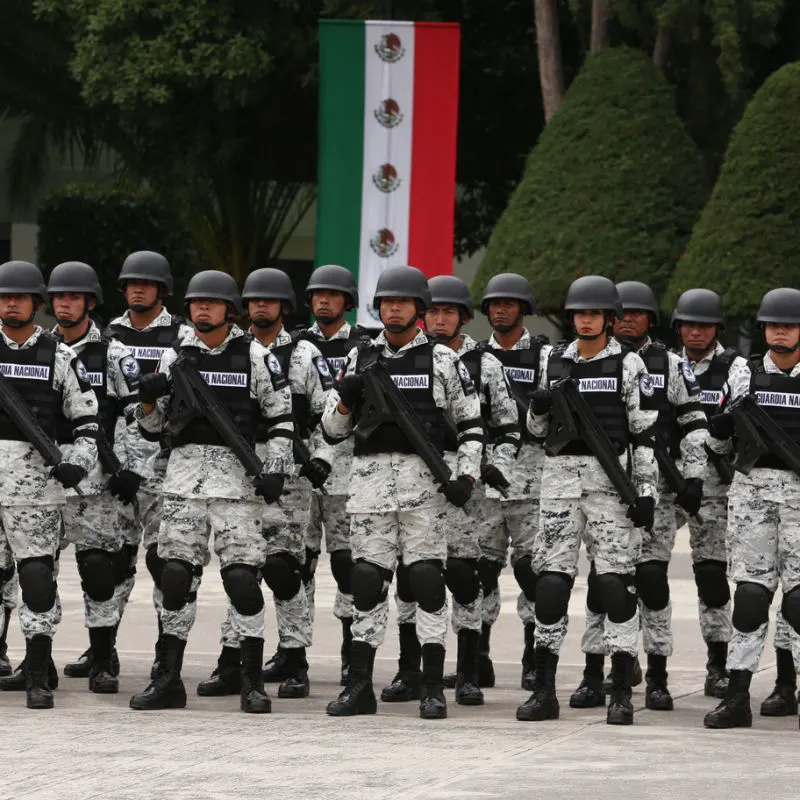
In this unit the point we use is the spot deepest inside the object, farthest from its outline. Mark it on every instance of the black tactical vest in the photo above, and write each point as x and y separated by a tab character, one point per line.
31	373
713	379
412	372
779	396
600	384
336	350
521	368
228	375
148	346
656	359
301	410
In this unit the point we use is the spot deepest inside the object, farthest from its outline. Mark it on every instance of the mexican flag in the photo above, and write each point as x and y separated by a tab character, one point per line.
388	110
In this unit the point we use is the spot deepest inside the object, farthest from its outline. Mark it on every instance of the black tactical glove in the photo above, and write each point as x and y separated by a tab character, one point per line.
541	401
269	486
642	512
458	491
493	477
721	426
152	386
317	471
125	485
68	475
350	389
691	498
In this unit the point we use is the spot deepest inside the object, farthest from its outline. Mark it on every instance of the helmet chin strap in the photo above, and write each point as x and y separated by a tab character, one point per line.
265	323
633	342
207	327
783	349
591	337
327	320
506	328
444	338
401	328
18	323
71	323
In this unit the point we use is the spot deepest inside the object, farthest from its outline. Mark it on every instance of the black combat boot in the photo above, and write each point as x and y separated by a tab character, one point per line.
5	664
296	684
226	678
347	640
528	670
656	693
485	666
159	654
166	690
734	710
275	669
79	668
407	683
38	651
358	697
468	693
620	707
716	682
15	682
102	679
636	678
254	699
432	704
543	703
590	692
783	700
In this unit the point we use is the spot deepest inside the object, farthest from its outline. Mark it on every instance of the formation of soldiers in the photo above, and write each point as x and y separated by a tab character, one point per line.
419	454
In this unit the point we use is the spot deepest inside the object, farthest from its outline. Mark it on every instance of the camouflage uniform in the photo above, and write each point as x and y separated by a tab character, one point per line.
31	501
206	490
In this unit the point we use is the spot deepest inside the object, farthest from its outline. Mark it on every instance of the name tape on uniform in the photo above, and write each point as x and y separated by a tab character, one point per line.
336	363
657	380
520	374
238	379
31	372
710	397
783	399
94	378
597	384
148	353
411	381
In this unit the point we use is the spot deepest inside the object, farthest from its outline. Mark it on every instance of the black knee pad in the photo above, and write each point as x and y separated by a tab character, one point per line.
489	573
652	584
155	564
751	604
37	584
712	583
427	585
790	607
241	586
370	584
96	568
461	576
593	601
618	596
308	569
526	577
176	583
342	569
282	575
404	584
552	596
124	561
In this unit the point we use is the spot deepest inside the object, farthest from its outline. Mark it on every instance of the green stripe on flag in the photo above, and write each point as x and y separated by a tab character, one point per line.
341	145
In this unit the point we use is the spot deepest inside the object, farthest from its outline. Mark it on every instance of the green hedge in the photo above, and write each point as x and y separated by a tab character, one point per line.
613	186
101	225
747	240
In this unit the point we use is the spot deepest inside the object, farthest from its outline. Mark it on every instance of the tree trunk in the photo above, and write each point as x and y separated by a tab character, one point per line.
661	48
599	35
548	44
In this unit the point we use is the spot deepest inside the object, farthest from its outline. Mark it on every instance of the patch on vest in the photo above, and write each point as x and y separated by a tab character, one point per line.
782	399
323	368
273	365
710	397
520	374
412	381
598	384
646	386
31	372
658	380
129	367
337	363
688	377
237	379
82	375
148	353
275	372
95	378
466	381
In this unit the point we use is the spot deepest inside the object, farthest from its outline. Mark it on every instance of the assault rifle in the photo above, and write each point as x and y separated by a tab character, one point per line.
22	417
302	454
385	404
571	420
759	435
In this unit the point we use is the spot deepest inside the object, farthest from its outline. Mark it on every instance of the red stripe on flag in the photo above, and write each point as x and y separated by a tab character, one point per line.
433	147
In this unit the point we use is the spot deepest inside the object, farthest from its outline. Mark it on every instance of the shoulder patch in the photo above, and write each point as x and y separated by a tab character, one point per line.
689	379
646	386
81	374
275	372
129	367
466	381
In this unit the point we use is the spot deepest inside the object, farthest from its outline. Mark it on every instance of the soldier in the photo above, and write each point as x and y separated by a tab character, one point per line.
579	502
681	430
90	521
206	488
513	520
698	320
782	701
50	378
148	329
330	293
763	517
392	499
10	590
289	569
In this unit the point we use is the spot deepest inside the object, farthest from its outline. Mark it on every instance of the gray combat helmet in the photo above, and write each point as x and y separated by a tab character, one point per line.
22	277
593	292
699	305
146	265
450	290
75	276
268	283
781	306
213	284
509	286
637	296
402	282
335	279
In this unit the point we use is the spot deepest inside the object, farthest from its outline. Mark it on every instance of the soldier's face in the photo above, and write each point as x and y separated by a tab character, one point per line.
590	322
443	320
207	310
503	313
634	324
141	293
327	304
697	335
781	335
70	305
16	306
398	310
264	309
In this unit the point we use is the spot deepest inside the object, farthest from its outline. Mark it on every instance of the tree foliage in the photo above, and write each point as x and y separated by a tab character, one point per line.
613	187
748	237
